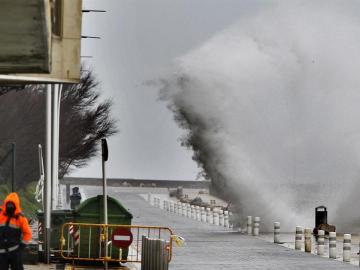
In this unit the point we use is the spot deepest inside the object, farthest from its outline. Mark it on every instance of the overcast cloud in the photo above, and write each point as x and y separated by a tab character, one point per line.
139	42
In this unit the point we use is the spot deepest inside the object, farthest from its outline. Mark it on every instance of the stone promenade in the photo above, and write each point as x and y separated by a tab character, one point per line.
209	247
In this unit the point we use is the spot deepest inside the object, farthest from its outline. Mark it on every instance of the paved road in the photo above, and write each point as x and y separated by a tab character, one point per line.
210	247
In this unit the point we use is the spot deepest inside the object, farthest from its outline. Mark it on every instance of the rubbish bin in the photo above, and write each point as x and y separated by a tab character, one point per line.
320	216
58	218
91	211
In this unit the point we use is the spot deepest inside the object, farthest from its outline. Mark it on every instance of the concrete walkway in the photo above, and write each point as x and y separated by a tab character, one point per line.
210	247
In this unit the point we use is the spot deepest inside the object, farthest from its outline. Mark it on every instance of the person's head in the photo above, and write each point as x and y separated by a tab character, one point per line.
10	208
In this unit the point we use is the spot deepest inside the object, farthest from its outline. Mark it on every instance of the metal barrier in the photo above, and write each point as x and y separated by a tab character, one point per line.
86	242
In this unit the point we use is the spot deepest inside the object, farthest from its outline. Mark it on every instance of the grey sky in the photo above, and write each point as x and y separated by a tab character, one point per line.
139	41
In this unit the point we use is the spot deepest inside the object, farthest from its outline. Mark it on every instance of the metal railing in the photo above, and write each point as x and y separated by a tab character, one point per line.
86	242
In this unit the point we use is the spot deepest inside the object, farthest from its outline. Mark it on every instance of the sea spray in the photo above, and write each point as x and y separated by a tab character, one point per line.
271	106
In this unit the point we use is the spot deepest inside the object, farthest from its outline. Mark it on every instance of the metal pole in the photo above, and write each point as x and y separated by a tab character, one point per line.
13	167
54	177
47	210
57	147
104	159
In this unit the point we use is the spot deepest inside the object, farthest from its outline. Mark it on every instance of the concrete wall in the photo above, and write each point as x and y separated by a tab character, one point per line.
136	182
65	48
24	36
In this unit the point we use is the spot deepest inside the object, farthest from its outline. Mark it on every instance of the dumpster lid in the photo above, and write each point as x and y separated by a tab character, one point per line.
98	199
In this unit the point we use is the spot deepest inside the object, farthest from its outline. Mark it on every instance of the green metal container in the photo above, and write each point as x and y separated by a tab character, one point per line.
91	211
58	218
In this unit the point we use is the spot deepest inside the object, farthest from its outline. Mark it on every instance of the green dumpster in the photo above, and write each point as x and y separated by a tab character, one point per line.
91	211
58	218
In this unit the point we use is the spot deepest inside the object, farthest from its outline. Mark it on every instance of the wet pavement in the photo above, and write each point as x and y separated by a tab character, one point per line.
210	247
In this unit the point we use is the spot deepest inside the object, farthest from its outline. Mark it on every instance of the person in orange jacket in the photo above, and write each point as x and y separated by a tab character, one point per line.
15	233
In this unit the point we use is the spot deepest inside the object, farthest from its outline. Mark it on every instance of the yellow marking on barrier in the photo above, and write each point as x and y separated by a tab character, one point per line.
102	237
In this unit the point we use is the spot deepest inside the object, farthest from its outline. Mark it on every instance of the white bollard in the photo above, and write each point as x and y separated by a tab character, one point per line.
231	220
249	225
256	226
216	217
221	218
332	245
198	213
180	208
208	215
154	201
149	197
298	237
307	234
175	207
276	232
203	214
321	243
164	204
188	210
184	209
193	212
347	248
226	219
171	207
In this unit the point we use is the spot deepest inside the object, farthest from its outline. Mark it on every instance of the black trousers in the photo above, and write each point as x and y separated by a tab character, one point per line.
12	259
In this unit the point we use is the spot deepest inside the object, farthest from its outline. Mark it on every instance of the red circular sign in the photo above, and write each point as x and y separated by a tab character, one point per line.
122	238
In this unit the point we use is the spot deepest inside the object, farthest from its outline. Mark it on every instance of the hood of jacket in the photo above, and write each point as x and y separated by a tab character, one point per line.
14	198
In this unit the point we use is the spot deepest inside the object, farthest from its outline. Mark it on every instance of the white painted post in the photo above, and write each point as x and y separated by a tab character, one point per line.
203	214
188	210
347	248
149	197
198	214
308	240
184	209
276	232
221	218
175	207
256	226
171	207
321	243
216	217
249	225
179	208
164	204
332	245
226	219
193	212
298	237
208	215
211	215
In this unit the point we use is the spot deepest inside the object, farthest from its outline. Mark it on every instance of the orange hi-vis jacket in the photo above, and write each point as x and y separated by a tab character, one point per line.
13	230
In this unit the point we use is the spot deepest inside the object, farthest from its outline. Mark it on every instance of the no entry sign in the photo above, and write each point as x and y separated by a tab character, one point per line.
122	238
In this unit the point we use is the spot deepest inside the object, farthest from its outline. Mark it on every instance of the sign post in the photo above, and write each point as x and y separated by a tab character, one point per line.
105	154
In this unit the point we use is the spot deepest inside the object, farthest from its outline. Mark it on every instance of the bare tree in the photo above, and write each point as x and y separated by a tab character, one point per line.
84	120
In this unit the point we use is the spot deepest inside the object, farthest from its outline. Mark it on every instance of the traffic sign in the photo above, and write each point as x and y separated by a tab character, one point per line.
122	238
